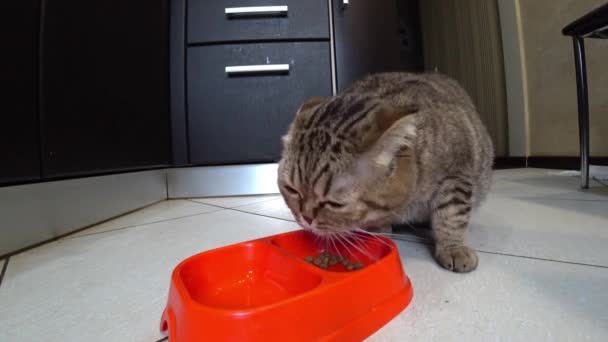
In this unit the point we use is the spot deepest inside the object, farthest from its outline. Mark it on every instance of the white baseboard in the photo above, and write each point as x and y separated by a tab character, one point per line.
33	213
232	180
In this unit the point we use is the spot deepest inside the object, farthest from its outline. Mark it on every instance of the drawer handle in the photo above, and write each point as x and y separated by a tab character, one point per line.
256	10
248	69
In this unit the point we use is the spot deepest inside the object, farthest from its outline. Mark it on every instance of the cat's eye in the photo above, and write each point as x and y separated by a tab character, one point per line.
290	190
334	205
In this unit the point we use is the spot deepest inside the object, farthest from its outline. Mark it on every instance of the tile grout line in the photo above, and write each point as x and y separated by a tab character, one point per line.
4	268
559	199
250	213
145	224
543	259
262	215
213	205
69	236
600	181
245	212
238	206
426	242
74	232
414	238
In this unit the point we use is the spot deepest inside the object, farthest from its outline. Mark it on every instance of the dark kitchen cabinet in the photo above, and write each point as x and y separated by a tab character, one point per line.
240	118
87	82
285	19
19	143
104	82
367	39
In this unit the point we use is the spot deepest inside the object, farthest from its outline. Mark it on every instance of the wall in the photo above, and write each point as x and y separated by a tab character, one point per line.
462	39
548	62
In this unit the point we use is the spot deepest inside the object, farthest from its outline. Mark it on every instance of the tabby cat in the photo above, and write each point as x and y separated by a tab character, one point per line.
392	148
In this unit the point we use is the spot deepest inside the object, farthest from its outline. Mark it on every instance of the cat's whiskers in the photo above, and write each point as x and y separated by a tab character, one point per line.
363	243
326	238
317	238
340	238
367	236
363	250
332	240
400	216
365	232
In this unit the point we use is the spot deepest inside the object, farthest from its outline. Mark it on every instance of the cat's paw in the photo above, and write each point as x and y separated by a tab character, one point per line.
458	259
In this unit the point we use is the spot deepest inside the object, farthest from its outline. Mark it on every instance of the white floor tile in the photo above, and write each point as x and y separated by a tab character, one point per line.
236	201
111	286
529	213
505	299
165	210
573	231
545	184
537	213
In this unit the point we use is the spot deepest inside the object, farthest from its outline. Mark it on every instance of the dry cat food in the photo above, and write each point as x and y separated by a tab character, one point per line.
324	260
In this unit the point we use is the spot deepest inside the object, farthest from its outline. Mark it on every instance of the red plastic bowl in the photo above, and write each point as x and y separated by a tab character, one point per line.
264	290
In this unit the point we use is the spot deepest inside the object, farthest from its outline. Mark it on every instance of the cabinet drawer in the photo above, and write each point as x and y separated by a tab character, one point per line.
240	118
280	19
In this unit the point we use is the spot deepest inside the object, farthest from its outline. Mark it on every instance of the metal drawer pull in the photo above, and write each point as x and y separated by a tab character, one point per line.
244	69
256	10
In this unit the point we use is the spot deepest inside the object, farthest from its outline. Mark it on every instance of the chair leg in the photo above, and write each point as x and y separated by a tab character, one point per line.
583	108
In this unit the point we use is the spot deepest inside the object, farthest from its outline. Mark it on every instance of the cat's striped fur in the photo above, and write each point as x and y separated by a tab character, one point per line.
394	147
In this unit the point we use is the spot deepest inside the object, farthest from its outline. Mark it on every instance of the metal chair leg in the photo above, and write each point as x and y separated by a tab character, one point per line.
583	108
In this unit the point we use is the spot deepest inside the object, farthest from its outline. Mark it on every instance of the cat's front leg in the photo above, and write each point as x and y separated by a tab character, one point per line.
449	220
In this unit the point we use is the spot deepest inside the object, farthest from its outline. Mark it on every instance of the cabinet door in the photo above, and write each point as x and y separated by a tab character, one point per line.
104	86
19	143
367	39
240	118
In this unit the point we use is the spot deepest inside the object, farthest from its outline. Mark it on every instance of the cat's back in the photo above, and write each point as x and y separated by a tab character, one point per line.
450	135
423	89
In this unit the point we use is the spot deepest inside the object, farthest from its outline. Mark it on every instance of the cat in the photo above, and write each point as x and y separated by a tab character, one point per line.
391	148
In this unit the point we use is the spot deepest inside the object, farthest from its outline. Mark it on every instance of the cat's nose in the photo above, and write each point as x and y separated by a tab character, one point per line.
307	219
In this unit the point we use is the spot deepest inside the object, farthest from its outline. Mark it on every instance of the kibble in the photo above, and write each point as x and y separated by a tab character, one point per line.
324	260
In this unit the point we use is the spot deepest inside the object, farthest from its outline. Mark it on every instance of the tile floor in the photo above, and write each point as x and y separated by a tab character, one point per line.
543	273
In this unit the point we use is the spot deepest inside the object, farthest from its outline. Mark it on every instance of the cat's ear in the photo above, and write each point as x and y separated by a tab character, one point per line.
398	132
309	104
301	115
387	116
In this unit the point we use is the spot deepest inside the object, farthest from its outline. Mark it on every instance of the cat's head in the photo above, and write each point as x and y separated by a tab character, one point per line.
348	163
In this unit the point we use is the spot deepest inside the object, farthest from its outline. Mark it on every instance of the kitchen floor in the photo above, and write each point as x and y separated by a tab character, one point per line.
542	276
